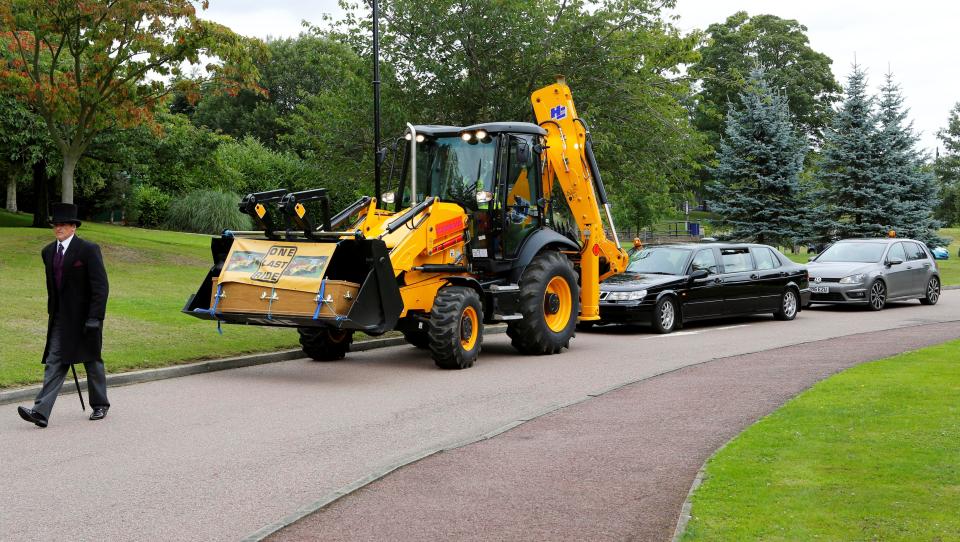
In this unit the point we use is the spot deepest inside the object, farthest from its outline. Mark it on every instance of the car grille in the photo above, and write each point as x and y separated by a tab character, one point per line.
827	297
824	279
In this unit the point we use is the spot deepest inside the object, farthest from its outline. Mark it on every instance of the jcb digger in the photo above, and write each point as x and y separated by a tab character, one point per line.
492	223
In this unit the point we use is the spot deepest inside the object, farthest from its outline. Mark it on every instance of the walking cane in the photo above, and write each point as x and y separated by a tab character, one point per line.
77	382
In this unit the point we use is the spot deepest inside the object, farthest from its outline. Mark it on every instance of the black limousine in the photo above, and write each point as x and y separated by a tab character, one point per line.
671	284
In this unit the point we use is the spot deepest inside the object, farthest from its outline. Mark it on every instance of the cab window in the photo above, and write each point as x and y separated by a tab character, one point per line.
736	260
705	260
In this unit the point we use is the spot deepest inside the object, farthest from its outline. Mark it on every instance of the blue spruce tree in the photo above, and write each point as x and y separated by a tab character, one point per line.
909	188
852	204
756	189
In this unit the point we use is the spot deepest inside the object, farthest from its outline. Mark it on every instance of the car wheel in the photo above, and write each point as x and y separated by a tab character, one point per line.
878	295
788	305
665	315
933	292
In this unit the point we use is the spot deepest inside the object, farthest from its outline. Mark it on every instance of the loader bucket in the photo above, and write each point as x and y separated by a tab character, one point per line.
344	284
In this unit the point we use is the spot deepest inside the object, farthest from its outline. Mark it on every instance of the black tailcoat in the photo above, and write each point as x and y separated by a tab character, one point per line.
82	295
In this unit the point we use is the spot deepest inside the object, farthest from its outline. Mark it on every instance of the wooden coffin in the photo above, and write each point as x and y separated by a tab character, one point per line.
238	297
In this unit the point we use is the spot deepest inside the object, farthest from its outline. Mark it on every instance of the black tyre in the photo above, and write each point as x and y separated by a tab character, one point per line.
932	293
665	315
877	295
789	302
324	344
417	337
549	303
456	327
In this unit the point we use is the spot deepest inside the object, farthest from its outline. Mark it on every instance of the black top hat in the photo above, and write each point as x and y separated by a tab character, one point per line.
64	213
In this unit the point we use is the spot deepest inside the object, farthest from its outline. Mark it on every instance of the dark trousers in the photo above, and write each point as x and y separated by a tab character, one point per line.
55	372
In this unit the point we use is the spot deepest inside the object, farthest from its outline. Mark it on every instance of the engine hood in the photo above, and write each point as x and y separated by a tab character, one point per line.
838	270
638	281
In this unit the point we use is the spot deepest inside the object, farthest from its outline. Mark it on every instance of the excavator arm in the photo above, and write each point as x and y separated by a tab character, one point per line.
569	163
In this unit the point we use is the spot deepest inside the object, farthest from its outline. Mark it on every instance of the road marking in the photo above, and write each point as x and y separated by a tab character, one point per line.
730	327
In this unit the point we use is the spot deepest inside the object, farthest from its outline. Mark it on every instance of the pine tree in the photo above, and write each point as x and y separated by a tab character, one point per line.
907	189
760	159
947	169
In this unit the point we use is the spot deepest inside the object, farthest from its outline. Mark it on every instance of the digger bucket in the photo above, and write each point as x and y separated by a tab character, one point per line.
343	284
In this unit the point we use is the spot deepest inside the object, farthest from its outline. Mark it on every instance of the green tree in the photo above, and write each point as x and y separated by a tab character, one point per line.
760	159
466	61
907	188
778	46
947	168
85	67
853	204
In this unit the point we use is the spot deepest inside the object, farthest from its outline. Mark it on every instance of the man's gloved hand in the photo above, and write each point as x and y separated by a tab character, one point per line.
92	325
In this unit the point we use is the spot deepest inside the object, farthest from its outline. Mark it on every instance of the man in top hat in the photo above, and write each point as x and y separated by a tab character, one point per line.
76	303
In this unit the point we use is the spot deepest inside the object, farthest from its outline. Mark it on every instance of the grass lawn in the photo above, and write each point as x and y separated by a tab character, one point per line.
872	453
151	275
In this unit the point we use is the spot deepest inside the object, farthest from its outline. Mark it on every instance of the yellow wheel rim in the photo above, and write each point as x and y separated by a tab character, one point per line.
557	304
469	328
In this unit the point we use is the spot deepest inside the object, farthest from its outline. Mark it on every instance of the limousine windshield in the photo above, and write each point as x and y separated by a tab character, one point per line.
660	261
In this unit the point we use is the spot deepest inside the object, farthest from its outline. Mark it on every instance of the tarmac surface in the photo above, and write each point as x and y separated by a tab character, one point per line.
617	467
222	456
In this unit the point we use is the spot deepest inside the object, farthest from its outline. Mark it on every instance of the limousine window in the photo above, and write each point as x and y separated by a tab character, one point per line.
766	259
660	261
736	260
705	260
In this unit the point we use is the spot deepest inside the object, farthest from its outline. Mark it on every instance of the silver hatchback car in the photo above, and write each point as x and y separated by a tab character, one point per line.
874	271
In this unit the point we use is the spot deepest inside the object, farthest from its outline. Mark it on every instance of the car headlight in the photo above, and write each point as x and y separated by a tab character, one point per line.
853	279
636	295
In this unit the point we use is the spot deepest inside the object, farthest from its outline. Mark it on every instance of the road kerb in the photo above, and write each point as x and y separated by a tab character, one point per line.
148	375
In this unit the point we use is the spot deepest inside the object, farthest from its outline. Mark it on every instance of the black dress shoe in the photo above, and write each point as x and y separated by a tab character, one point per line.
32	416
99	413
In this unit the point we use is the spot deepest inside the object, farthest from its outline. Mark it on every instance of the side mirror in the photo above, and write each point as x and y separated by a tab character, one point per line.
699	274
894	261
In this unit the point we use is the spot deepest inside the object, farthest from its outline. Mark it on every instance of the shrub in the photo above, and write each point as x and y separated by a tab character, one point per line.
149	206
207	211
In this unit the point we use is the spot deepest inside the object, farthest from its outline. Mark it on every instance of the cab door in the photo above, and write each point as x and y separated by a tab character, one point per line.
521	214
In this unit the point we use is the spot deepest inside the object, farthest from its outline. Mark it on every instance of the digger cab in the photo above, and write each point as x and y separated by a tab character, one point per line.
494	171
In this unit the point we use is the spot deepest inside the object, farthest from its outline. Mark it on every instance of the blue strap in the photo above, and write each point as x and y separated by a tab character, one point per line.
323	285
212	311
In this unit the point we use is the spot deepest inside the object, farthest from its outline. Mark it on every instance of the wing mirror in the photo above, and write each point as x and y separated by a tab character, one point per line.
894	261
699	274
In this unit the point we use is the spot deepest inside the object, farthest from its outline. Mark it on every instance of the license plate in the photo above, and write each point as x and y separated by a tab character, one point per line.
820	289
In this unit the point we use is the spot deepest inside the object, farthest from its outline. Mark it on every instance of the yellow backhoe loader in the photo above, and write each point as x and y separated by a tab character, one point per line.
492	223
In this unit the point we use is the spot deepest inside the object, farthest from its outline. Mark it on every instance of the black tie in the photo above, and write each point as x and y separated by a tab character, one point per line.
58	265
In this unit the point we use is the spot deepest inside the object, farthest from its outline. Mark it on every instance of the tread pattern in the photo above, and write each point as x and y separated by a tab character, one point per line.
444	331
318	344
531	334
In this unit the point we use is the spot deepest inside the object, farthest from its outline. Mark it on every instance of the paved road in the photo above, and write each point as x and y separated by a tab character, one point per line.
616	467
221	455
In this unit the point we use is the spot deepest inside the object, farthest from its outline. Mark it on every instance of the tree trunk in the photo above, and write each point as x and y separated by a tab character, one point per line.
69	166
12	194
41	217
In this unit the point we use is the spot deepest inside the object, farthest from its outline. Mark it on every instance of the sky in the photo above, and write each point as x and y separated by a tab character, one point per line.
916	41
